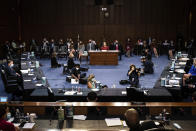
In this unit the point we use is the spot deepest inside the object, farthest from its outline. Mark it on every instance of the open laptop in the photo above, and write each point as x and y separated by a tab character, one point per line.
3	99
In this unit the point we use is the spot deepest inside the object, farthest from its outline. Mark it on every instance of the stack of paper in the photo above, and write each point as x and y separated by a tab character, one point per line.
28	125
69	93
27	80
38	85
182	63
113	121
124	123
79	117
24	71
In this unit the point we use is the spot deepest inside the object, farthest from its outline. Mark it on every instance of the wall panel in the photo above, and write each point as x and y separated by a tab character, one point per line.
66	18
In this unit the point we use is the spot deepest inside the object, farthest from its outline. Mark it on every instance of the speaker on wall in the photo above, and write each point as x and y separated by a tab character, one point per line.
110	2
98	2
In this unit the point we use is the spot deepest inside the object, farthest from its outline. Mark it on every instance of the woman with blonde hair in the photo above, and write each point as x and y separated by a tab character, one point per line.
91	82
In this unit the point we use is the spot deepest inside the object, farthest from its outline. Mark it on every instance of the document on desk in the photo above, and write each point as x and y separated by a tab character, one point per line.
113	121
24	71
28	125
79	117
17	124
124	123
27	80
38	84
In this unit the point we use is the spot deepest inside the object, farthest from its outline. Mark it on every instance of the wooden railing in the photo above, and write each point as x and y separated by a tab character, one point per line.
113	108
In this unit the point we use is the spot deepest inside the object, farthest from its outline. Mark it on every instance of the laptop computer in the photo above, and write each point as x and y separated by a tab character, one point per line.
3	99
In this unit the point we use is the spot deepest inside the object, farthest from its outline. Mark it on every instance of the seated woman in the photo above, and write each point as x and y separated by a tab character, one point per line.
104	47
154	47
91	82
133	76
54	62
171	49
192	72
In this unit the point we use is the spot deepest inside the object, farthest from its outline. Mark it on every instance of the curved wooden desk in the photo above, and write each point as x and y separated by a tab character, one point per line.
109	57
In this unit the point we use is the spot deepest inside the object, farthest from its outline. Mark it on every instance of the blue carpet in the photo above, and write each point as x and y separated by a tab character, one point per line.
2	90
107	75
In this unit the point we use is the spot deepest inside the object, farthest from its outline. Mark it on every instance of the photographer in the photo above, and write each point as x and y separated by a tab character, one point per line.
133	76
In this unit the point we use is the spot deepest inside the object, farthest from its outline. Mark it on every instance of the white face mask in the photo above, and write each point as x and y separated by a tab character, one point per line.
93	79
12	65
77	68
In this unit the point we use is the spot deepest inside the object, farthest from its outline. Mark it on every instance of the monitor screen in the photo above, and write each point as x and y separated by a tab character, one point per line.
3	99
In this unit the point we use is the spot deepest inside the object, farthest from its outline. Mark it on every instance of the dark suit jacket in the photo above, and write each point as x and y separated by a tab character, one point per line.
54	62
10	71
70	63
148	67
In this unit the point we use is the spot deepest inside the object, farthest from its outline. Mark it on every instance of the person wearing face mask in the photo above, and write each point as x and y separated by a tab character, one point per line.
4	125
10	71
76	74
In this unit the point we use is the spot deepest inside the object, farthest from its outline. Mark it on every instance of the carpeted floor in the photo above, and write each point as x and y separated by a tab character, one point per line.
107	75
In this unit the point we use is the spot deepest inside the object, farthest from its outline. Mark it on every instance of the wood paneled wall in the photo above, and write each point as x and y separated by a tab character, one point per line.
162	19
8	20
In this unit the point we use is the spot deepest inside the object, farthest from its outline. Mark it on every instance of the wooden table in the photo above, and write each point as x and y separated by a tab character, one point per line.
109	57
97	125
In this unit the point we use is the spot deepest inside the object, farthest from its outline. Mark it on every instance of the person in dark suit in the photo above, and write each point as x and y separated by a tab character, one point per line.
148	65
52	44
95	112
90	46
6	51
10	70
132	121
117	46
54	62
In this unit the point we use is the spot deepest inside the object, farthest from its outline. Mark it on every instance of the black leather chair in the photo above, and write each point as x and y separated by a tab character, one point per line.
10	84
135	94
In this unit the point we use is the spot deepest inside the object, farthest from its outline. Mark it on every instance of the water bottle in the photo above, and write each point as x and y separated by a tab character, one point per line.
163	81
69	111
78	89
60	113
167	80
37	64
8	115
27	117
44	81
172	66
